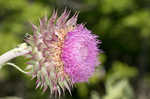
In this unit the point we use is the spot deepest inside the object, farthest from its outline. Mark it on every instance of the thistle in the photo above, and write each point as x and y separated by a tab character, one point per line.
61	53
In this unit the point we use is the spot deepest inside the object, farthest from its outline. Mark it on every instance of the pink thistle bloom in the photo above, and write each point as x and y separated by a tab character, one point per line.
63	53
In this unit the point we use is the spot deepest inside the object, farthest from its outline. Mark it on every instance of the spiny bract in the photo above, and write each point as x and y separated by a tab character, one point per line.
63	52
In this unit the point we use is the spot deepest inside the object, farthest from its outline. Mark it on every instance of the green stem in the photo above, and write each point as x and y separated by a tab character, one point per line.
21	50
17	67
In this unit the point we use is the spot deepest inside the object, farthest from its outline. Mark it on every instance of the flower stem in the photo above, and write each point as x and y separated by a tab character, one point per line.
21	50
17	67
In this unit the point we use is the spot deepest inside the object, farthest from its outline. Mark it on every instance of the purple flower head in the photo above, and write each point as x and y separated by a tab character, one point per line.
79	54
63	53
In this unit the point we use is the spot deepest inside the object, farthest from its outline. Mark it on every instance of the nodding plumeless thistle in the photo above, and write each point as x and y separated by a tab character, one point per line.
61	53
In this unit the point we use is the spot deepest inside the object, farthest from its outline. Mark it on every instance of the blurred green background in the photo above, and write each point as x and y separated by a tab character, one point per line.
123	27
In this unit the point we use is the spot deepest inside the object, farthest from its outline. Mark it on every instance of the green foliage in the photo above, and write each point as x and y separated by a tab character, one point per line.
117	82
82	90
139	20
122	70
109	6
119	90
15	15
7	39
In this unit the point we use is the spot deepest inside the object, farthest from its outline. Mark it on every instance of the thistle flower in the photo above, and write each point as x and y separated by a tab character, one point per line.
63	52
